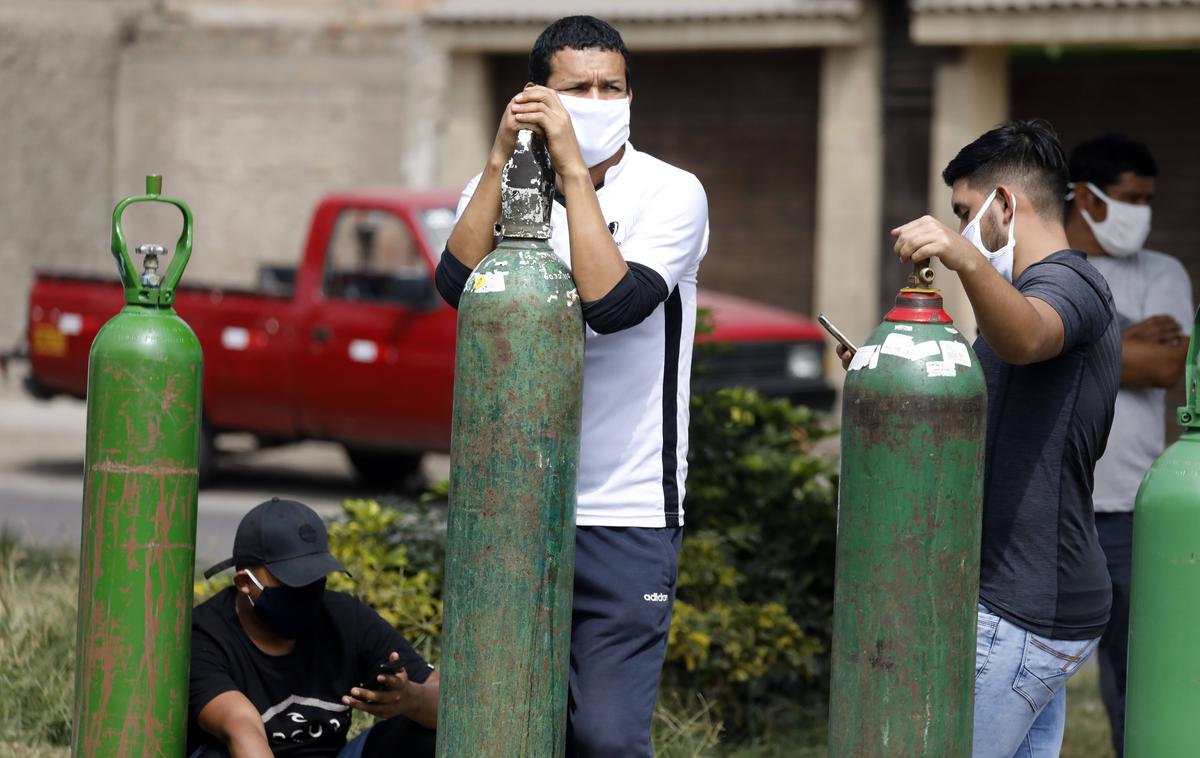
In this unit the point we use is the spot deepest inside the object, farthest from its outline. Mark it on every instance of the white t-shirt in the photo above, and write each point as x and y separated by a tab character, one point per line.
1145	284
637	382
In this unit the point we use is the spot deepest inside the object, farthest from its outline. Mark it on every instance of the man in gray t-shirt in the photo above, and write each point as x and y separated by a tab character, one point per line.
1050	350
1108	217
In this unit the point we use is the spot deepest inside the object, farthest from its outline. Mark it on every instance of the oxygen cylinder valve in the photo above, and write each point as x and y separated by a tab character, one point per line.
921	276
150	277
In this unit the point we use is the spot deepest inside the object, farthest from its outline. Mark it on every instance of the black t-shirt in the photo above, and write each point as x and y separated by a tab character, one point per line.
1041	563
300	694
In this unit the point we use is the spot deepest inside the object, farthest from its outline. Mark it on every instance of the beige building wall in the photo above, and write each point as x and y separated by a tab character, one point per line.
253	127
58	63
849	200
250	110
469	121
970	96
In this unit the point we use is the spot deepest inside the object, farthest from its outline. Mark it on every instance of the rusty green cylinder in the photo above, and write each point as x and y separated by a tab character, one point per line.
909	521
1163	690
137	556
514	453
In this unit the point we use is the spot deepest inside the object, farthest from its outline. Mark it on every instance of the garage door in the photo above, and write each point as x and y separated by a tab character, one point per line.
745	124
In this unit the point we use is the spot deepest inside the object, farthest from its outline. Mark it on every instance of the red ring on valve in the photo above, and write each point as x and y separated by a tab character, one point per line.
919	307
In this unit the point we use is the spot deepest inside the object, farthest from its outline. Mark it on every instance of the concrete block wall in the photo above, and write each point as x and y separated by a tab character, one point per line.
58	64
249	119
251	127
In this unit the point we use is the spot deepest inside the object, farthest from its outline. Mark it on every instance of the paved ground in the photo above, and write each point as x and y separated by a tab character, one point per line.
41	474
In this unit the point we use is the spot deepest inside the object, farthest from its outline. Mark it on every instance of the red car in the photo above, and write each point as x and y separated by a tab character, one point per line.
355	345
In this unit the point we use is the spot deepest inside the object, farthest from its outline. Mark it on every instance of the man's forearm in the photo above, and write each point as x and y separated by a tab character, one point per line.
1011	324
249	745
474	236
596	263
1150	364
424	709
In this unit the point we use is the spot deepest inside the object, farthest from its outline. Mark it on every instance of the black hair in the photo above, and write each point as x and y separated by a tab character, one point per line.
1025	153
576	33
1101	160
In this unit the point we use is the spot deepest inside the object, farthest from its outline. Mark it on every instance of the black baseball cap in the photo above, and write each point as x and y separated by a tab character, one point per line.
288	538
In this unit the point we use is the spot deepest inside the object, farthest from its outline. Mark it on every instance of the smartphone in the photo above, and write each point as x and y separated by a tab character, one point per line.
837	333
387	667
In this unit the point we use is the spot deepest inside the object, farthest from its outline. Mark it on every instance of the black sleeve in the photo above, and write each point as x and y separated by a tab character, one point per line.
378	640
451	277
210	673
629	302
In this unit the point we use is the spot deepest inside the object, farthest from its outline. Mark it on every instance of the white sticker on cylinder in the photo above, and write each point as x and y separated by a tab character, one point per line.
363	351
70	324
235	338
940	368
923	350
955	352
902	346
899	345
489	281
866	356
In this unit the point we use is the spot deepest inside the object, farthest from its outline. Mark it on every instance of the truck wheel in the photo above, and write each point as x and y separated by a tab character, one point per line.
387	468
206	464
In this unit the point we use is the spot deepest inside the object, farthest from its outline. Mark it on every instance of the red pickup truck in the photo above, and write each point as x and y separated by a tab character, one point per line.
355	346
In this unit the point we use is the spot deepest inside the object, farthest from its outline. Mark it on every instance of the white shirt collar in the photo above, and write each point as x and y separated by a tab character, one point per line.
614	171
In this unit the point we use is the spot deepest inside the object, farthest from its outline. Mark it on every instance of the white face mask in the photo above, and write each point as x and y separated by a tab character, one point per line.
601	126
1124	230
1002	259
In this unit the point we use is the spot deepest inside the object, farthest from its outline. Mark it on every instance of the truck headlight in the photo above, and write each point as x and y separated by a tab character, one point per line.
804	361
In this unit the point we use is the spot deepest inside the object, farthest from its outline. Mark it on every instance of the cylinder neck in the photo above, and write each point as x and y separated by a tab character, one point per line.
919	307
526	189
1188	414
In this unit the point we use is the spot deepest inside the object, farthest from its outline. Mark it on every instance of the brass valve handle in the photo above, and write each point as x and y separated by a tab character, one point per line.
921	276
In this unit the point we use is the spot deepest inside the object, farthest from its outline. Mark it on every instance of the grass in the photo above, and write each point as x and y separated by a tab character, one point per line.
37	679
37	649
1087	725
689	729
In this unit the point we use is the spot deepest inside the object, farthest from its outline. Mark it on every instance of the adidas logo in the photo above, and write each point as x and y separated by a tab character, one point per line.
656	597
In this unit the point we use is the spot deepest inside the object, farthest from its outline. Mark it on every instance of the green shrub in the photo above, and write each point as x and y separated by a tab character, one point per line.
755	597
395	555
753	614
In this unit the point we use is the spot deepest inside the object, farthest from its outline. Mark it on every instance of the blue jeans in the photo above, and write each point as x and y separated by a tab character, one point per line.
354	748
1021	689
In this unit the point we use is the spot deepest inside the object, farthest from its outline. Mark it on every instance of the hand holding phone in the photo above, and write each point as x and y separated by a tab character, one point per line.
824	321
390	668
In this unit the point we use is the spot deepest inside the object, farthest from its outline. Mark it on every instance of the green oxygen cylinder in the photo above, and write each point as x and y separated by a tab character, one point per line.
137	556
909	520
1162	711
510	553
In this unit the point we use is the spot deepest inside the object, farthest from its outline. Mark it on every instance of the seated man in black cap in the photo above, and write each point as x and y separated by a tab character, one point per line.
278	662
